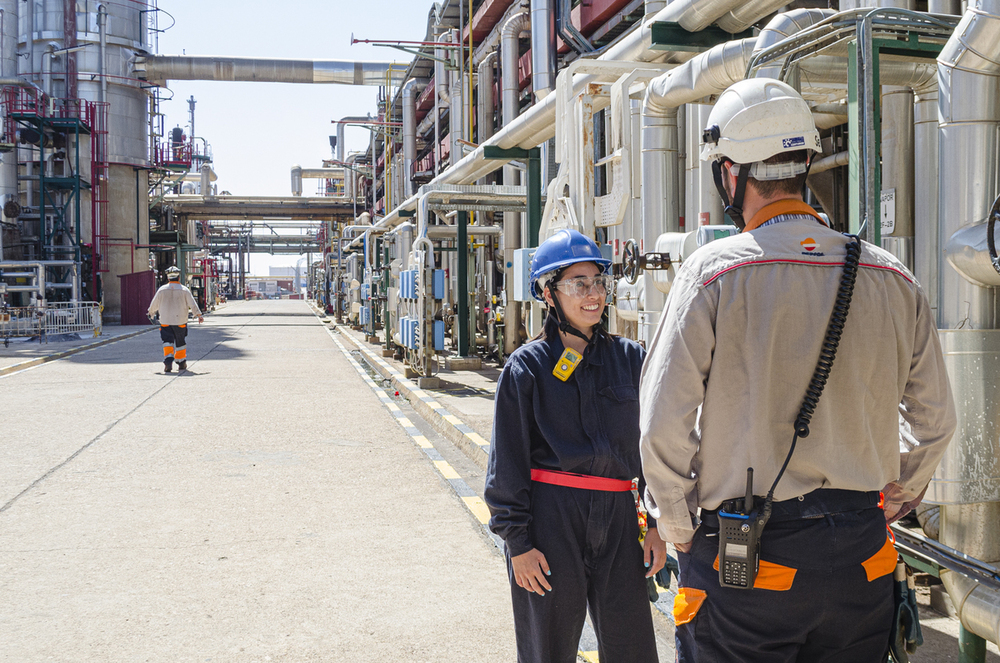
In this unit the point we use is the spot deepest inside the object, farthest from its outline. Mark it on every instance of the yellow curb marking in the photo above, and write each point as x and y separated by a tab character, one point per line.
446	470
478	508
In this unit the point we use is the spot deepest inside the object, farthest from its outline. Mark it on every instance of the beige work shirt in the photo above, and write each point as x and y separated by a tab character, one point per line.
735	350
173	301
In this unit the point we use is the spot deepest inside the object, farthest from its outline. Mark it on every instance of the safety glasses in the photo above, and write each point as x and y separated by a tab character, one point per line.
584	286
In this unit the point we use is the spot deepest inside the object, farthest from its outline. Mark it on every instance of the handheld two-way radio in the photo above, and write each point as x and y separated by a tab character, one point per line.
742	520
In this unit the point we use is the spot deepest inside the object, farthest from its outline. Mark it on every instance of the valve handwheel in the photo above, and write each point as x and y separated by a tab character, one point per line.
630	261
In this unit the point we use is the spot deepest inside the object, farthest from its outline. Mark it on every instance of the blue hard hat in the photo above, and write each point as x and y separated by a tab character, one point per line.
563	249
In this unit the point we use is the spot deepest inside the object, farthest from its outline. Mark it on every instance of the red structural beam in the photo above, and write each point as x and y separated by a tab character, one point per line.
484	20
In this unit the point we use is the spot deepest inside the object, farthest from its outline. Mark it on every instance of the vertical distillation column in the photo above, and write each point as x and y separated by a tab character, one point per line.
8	69
111	33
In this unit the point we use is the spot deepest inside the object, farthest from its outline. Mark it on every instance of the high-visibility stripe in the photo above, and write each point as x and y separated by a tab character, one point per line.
180	354
881	563
168	351
182	326
775	577
687	603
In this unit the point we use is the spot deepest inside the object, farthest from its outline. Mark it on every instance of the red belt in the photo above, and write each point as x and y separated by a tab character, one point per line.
571	480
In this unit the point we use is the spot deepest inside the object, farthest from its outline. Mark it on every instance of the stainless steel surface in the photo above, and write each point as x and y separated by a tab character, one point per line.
695	15
971	528
944	7
897	158
744	15
341	123
265	70
968	67
925	190
784	25
509	108
486	101
409	96
901	247
968	254
970	469
830	162
8	70
456	118
543	47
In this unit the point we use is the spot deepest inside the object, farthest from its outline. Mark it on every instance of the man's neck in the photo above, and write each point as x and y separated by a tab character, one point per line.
753	203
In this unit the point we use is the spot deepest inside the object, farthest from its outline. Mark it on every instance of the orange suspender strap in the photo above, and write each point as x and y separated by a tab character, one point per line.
571	480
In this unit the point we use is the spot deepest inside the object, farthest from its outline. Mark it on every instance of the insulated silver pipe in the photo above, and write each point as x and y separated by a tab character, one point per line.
456	118
263	70
299	173
486	101
925	190
538	123
785	25
744	15
341	123
510	108
8	70
102	28
409	95
543	47
968	70
952	7
968	84
710	72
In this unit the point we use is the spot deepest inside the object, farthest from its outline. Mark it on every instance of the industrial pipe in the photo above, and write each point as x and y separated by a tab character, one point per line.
968	70
783	26
543	47
487	103
710	72
409	96
260	70
510	108
102	29
341	123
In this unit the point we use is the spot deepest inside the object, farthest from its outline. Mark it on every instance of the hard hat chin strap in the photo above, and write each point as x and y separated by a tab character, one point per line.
734	208
564	325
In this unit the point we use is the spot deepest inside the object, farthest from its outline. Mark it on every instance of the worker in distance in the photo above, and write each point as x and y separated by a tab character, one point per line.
790	562
564	473
173	301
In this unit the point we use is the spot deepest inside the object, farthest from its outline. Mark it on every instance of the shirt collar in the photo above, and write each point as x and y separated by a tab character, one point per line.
785	207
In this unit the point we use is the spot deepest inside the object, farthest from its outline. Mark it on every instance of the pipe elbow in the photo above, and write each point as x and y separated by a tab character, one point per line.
515	25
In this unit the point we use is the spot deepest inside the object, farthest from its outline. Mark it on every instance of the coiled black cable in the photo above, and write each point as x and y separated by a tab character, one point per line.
828	352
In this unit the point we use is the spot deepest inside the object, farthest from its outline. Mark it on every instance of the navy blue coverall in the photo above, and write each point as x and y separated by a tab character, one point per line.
586	425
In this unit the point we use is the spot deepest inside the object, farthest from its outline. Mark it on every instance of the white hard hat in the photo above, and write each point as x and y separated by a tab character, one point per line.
756	119
173	271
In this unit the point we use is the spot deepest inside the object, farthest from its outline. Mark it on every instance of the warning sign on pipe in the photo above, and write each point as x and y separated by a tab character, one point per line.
888	211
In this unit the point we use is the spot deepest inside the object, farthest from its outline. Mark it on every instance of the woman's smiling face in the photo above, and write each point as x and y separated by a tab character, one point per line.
583	313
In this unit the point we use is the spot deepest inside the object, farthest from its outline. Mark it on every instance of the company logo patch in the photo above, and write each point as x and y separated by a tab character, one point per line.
797	141
809	244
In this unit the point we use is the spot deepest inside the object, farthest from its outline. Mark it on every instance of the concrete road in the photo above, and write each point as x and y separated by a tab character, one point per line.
261	507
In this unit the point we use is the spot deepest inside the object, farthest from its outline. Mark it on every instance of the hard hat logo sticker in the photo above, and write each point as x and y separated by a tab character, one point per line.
797	141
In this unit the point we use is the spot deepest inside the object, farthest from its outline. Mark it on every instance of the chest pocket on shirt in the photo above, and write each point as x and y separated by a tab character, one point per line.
619	413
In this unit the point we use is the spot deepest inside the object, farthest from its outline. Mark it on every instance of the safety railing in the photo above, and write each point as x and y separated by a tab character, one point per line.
52	319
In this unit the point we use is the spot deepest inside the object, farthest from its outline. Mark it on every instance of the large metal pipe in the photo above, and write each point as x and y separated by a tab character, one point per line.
263	70
341	123
925	189
409	95
510	108
543	47
8	70
537	124
456	118
102	30
487	103
709	73
969	85
783	26
299	173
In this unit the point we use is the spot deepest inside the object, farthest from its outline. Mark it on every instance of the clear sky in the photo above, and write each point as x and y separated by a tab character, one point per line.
258	131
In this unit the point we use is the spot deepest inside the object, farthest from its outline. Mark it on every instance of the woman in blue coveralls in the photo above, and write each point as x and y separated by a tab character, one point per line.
559	484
